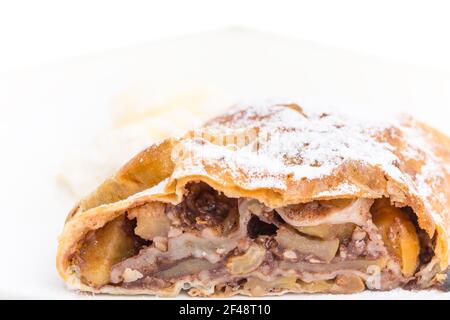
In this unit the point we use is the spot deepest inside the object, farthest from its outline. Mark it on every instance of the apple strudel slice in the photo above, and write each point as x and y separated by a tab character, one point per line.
266	200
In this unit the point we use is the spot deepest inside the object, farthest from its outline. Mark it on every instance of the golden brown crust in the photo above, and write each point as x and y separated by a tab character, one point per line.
404	160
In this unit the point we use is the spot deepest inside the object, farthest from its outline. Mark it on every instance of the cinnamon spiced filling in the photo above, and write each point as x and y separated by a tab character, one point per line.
240	245
204	207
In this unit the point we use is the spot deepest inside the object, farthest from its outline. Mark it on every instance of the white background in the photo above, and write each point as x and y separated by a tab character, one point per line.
59	77
35	32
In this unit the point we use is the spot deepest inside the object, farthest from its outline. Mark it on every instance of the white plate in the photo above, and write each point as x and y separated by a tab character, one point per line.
47	112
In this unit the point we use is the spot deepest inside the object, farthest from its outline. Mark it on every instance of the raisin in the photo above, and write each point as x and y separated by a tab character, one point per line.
204	206
256	228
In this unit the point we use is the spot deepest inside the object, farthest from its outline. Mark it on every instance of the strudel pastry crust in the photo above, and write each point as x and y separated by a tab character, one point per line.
272	199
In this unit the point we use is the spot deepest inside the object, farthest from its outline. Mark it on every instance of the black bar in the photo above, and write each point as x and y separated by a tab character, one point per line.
233	309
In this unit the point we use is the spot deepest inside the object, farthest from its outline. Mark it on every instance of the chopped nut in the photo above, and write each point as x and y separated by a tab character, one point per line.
343	251
130	275
220	250
289	254
160	243
358	235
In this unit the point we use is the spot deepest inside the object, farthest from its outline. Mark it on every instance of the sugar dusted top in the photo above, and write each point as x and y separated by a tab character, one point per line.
274	146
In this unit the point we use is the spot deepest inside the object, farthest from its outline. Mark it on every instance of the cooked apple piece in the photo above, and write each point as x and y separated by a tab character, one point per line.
398	234
259	287
151	219
184	268
248	261
322	249
343	284
104	248
338	203
328	231
316	286
359	265
348	283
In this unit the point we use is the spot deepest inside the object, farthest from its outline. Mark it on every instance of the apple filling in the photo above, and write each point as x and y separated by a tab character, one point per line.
210	243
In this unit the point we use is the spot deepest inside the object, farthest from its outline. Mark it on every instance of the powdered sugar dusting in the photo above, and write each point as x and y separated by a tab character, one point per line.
419	148
343	188
431	173
260	170
283	145
288	141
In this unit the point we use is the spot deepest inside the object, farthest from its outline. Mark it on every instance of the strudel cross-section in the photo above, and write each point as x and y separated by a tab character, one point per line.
266	200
